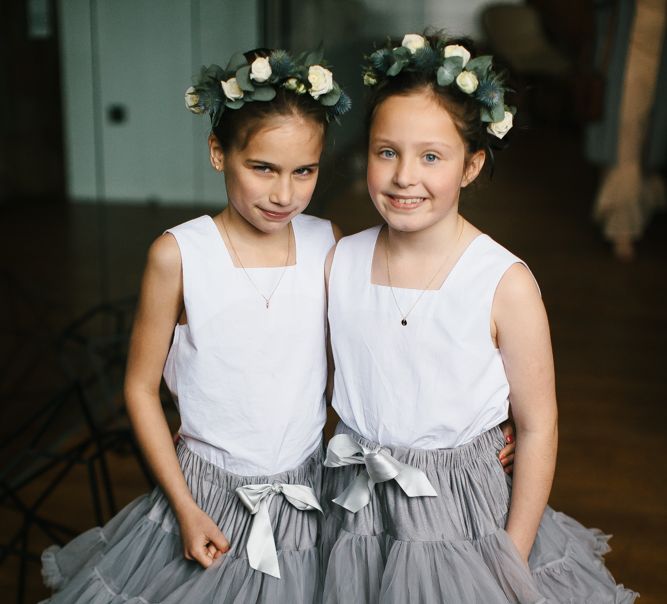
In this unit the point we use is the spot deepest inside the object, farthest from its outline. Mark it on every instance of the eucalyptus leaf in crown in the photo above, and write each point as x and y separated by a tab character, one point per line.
216	89
447	64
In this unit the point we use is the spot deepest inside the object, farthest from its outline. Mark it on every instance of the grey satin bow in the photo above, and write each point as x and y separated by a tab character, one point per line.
343	450
261	546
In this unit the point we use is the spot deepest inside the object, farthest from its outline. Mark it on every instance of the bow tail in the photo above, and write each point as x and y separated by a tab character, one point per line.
357	494
414	482
261	546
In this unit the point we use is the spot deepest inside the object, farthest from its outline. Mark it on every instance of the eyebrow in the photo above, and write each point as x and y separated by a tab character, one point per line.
385	141
277	167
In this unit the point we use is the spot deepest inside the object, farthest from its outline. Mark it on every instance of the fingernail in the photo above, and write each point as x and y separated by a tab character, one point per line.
509	438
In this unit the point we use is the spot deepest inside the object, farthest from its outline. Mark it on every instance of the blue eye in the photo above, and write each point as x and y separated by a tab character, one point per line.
388	153
430	158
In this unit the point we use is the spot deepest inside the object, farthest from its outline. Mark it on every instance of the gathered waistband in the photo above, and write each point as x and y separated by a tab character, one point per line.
487	444
193	464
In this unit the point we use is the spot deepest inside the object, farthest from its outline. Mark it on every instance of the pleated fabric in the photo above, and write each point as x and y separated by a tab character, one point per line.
137	557
453	548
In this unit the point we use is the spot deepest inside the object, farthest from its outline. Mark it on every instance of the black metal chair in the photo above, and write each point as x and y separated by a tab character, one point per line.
78	426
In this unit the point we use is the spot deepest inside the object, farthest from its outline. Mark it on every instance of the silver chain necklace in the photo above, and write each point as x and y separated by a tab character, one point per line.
267	299
404	316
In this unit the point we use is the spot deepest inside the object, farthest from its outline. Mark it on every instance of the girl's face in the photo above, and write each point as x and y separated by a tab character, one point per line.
417	162
272	179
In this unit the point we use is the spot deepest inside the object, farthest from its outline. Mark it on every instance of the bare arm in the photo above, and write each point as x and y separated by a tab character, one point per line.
522	333
160	304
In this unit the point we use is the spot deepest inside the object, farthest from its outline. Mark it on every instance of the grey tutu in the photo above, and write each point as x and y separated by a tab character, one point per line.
137	558
453	548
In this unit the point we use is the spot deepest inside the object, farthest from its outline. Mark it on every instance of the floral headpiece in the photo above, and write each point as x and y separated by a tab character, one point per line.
217	89
449	64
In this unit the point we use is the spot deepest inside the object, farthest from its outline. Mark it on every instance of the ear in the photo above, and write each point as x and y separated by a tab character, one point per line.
473	167
216	154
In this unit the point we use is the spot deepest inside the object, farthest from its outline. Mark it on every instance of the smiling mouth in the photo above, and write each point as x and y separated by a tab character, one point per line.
405	202
276	215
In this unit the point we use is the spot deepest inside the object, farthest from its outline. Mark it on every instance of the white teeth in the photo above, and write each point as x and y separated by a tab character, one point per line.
410	201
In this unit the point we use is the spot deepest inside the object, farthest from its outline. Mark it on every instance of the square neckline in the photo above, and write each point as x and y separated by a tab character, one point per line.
454	268
227	254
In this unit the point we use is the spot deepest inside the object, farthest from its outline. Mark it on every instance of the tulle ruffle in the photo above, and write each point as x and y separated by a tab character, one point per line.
453	548
137	558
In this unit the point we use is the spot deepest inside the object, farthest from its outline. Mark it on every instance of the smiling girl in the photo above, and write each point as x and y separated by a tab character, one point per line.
232	312
435	329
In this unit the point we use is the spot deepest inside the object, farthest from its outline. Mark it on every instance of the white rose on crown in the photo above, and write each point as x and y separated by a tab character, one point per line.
467	81
260	70
456	50
321	81
501	128
413	42
232	89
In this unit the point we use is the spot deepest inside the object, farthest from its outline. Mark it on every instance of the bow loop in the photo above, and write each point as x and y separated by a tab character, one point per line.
380	466
344	452
252	495
261	546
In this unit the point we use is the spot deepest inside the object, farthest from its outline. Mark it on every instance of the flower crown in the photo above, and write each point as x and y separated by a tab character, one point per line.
448	64
217	89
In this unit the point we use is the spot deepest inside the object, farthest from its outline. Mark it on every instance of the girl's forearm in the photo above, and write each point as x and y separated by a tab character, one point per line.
156	442
534	465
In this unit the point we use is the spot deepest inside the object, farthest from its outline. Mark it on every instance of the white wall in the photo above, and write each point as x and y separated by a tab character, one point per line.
140	55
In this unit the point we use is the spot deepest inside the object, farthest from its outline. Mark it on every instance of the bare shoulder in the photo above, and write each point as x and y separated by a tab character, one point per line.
518	309
517	285
517	304
164	255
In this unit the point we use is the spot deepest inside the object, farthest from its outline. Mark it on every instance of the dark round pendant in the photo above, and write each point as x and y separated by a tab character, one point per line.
404	322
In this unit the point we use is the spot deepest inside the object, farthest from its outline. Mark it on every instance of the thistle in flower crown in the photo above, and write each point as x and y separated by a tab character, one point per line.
448	65
215	90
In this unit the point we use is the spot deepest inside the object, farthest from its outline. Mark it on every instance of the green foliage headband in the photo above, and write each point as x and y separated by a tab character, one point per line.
216	89
447	64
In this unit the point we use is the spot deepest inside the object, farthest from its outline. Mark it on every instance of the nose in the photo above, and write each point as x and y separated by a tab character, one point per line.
405	174
282	191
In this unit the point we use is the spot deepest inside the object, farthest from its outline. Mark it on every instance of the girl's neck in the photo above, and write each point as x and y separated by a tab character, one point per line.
249	247
433	240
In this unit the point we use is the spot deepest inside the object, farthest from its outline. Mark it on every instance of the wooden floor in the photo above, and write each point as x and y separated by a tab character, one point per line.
608	326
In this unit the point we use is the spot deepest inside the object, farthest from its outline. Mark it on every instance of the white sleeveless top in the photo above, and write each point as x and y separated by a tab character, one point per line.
249	381
437	382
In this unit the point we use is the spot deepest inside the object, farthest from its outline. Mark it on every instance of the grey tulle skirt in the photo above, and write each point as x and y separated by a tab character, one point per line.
137	558
453	548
